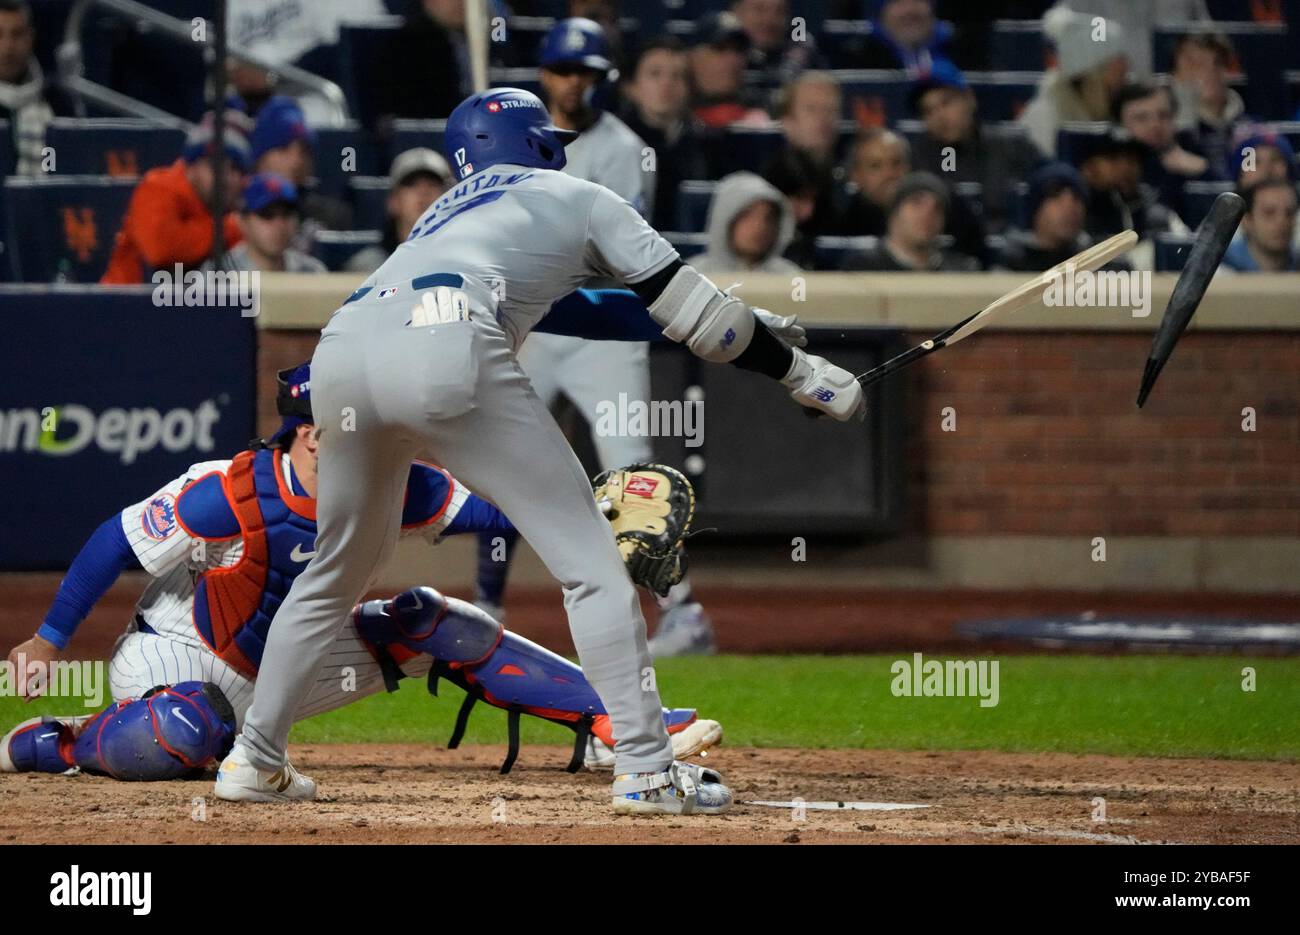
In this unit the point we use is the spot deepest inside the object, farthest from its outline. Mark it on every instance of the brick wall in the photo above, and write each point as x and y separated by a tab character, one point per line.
1049	440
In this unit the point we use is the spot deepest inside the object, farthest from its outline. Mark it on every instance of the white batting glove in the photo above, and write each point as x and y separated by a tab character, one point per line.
816	383
785	327
440	306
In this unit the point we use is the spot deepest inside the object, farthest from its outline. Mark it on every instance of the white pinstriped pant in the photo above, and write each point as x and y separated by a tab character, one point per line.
142	661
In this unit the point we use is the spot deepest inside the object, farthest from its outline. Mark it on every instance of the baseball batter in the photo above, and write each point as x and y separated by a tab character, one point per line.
222	543
574	63
421	360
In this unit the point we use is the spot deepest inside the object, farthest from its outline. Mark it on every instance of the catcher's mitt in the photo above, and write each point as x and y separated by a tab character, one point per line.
650	507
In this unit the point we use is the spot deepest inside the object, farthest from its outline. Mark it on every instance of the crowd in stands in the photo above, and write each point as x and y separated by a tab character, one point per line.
804	162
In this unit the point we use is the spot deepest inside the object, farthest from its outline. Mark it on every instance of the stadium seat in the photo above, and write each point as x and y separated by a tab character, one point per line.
335	248
363	63
334	146
524	36
525	78
112	146
829	253
145	64
1171	252
408	134
1288	128
1198	197
840	41
875	97
1019	45
8	158
369	195
687	244
1002	95
747	148
67	225
693	199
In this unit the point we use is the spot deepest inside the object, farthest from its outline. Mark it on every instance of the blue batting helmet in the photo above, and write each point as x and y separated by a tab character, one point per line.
504	125
576	41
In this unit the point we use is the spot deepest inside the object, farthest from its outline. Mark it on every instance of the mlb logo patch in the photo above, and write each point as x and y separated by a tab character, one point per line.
641	486
385	293
159	519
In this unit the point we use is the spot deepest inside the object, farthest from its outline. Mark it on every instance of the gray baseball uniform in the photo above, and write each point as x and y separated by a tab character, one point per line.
589	372
385	391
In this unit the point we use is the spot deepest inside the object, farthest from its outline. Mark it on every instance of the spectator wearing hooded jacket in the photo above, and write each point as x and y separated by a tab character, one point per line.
750	225
1091	67
905	34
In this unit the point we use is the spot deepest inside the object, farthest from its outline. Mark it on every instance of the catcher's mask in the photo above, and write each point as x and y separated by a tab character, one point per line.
293	402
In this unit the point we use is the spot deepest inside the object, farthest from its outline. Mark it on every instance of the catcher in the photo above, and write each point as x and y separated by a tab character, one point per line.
223	544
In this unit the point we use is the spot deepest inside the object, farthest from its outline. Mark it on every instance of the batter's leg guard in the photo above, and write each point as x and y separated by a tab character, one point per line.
490	663
171	733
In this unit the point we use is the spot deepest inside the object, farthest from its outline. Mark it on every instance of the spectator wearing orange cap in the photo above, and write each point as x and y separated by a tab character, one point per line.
170	216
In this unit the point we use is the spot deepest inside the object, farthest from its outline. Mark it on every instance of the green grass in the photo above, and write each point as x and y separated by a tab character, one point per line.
1128	705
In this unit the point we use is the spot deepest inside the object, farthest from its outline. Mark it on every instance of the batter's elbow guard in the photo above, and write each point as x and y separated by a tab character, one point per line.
715	326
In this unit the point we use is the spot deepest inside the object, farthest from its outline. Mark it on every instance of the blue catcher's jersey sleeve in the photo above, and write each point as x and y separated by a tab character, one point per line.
439	505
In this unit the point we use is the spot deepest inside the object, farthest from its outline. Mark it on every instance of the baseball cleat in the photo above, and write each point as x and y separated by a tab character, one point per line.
681	789
684	630
240	781
693	739
41	745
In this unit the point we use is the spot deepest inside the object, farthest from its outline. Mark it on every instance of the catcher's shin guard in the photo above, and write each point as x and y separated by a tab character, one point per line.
41	745
169	733
490	663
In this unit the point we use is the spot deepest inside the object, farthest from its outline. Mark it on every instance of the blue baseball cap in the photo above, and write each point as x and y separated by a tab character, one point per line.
576	41
199	142
1263	137
942	73
279	123
267	188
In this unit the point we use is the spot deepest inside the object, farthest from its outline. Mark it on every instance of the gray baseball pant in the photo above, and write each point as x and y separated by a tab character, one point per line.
384	393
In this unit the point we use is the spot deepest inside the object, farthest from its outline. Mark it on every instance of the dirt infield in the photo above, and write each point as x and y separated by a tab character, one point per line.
416	794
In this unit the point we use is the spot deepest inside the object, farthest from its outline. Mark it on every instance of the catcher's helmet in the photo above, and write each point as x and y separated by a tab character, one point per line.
504	125
576	41
292	400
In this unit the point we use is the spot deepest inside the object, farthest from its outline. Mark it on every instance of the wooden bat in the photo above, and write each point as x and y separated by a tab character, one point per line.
1094	258
1212	239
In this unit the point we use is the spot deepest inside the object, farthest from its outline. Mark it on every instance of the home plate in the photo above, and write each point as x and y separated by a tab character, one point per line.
838	806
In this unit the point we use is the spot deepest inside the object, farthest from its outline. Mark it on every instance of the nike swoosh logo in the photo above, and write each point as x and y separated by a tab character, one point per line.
298	555
418	604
